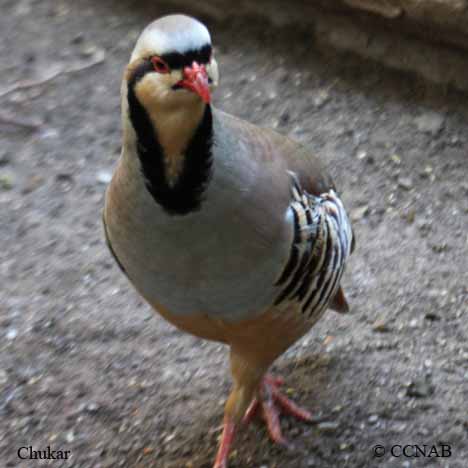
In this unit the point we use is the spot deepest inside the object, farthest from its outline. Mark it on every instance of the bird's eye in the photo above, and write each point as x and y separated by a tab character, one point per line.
160	65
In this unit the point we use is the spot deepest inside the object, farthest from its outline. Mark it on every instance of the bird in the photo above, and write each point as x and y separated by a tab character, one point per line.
231	232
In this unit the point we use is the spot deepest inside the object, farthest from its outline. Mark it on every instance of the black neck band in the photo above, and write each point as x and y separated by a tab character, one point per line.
186	194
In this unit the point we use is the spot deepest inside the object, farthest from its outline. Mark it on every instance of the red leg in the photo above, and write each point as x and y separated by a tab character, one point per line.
225	445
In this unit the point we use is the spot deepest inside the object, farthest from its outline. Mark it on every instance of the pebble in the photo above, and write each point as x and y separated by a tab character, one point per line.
5	158
33	183
381	326
104	177
429	122
409	215
359	213
420	389
321	98
3	377
395	158
92	408
11	334
373	418
328	427
6	182
405	183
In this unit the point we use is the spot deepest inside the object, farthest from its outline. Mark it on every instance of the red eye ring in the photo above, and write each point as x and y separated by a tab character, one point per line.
160	65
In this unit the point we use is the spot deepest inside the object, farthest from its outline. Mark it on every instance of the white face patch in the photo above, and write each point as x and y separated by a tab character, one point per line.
173	33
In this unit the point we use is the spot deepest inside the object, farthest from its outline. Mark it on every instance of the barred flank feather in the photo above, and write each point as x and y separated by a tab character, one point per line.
321	245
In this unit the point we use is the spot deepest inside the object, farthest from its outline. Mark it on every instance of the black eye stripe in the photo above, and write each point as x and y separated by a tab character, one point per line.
177	61
174	60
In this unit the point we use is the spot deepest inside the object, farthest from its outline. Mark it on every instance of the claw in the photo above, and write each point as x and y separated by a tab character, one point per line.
272	403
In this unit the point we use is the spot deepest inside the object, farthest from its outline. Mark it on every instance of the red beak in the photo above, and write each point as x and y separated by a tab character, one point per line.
196	80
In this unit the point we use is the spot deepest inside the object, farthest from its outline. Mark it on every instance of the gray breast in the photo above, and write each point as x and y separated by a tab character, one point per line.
222	260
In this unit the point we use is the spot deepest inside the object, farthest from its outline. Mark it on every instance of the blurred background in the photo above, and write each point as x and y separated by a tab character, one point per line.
378	90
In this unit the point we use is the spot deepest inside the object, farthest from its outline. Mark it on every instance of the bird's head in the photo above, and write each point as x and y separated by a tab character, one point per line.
172	63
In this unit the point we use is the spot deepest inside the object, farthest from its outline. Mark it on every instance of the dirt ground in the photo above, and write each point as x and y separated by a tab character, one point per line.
86	366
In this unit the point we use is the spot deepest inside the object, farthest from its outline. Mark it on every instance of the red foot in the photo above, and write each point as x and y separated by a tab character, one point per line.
272	403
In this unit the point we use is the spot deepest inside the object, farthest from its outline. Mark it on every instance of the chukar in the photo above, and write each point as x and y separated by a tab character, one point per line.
231	232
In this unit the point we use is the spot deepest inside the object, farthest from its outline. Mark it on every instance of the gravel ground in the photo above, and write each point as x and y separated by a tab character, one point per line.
85	366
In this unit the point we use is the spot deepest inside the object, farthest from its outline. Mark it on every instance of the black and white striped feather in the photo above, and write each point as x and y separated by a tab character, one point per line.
321	245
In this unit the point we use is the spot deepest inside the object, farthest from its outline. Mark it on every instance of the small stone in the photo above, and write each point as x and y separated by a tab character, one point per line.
104	177
413	323
328	427
395	158
432	316
409	215
92	408
88	50
405	183
420	389
5	158
285	117
373	418
77	39
321	98
439	248
424	226
328	340
427	173
33	183
6	182
429	122
358	213
3	377
11	334
381	326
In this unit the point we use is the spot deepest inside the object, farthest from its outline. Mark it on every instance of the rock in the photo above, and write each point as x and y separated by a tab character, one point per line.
409	215
381	326
430	122
33	183
104	177
373	418
395	158
424	226
6	182
358	213
285	117
432	316
5	158
328	427
321	98
11	334
92	408
3	377
405	183
420	389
